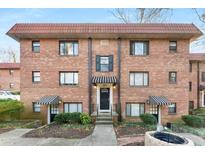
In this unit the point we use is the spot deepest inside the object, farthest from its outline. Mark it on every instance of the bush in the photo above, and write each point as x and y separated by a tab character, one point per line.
193	120
85	119
148	119
10	106
68	118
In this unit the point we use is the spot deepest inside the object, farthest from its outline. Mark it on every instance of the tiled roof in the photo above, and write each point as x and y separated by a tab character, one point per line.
9	65
35	28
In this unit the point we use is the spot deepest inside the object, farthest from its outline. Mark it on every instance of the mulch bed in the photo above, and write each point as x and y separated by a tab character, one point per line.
70	131
130	135
4	130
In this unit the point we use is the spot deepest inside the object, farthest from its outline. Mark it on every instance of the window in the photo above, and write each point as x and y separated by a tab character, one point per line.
11	72
68	78
11	85
172	77
172	108
68	48
104	63
134	109
153	109
173	46
72	107
36	76
139	78
36	107
36	46
203	76
54	109
190	86
139	48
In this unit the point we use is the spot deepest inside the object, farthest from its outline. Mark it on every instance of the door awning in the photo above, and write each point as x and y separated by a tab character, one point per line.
158	100
202	87
47	100
104	79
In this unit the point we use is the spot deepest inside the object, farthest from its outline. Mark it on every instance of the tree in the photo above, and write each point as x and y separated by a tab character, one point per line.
8	55
142	15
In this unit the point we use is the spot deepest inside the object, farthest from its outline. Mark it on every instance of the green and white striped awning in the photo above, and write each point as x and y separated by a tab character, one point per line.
158	100
47	100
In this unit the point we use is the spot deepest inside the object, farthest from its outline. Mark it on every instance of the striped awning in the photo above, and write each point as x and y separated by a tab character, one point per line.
158	100
104	79
46	100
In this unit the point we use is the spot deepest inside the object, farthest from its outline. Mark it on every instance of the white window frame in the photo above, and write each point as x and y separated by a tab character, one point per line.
65	76
135	113
67	107
36	106
144	80
63	48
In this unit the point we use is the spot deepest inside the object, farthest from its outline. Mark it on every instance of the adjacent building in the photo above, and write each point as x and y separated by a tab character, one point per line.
121	69
10	76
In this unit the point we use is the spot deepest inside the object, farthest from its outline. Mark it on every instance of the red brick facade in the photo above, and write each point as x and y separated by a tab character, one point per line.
158	64
10	76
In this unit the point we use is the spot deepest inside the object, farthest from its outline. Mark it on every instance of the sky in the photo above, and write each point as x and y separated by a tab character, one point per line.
8	17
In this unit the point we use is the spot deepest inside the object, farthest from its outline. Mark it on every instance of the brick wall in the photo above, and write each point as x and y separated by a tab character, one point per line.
6	78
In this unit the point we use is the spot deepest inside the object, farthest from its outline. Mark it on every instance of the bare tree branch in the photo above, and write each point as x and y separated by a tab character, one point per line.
142	15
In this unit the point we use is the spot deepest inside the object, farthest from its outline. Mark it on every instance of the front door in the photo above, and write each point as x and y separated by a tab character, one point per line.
104	99
53	111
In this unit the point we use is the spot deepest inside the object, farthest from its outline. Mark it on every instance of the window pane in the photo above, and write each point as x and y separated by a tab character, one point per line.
69	78
135	109
75	78
145	79
79	107
141	108
104	67
69	47
139	48
132	79
62	76
104	60
73	108
128	109
66	108
62	48
75	48
138	79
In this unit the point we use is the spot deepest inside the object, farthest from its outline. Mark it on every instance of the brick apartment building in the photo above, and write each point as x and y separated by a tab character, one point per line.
10	76
121	69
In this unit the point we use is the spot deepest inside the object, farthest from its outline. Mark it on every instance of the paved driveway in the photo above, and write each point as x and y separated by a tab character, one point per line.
103	135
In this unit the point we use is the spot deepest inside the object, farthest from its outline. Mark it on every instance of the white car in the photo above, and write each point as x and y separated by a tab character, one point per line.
8	95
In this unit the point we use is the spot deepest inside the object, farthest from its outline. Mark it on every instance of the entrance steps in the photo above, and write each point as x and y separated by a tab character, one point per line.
104	119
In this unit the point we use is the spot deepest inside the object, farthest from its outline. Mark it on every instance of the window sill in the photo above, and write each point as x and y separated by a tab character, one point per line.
68	55
139	55
139	86
72	86
172	113
173	51
36	82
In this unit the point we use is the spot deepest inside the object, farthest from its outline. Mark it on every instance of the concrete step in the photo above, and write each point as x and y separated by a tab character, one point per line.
104	122
106	118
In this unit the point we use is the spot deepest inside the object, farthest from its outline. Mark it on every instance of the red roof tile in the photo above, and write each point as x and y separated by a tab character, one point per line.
101	28
9	65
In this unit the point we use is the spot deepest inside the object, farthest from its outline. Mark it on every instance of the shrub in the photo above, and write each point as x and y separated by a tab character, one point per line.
148	119
68	117
193	120
10	106
85	119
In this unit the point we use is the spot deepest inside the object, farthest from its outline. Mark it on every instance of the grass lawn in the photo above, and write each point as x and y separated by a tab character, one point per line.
132	133
70	131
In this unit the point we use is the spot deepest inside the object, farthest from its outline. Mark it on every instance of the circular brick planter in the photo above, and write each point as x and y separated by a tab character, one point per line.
150	140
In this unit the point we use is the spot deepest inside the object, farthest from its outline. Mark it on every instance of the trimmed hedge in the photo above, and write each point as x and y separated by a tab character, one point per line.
75	117
148	119
193	120
85	119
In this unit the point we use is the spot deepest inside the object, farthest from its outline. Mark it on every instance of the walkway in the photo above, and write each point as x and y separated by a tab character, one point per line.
103	135
196	139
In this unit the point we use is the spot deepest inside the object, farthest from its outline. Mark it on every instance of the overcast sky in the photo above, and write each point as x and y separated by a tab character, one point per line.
8	17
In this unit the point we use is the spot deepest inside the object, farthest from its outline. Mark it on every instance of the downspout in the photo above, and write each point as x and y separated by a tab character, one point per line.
89	74
119	79
198	90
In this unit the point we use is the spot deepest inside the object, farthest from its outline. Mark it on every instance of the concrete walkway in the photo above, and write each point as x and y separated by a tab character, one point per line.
13	138
196	139
103	135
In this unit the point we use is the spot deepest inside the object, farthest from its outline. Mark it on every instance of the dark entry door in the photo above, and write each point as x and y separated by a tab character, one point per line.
53	111
104	98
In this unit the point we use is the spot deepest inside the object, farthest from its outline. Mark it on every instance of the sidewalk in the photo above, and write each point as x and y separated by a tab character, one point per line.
196	139
103	135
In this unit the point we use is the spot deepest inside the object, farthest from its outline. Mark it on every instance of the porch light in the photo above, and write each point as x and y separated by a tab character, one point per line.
114	87
95	86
